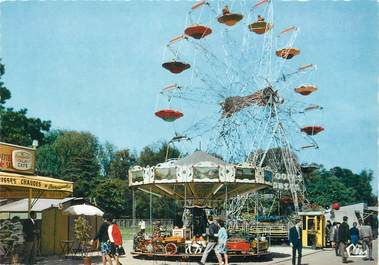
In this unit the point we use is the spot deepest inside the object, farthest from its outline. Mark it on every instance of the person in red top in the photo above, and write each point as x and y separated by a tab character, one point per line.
115	238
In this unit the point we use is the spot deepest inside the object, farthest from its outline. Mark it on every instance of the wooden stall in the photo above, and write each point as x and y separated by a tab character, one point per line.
57	230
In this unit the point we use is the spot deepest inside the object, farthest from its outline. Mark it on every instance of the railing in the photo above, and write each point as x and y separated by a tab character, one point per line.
270	230
128	223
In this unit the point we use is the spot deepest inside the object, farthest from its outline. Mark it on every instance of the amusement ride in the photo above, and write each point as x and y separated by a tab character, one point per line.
239	80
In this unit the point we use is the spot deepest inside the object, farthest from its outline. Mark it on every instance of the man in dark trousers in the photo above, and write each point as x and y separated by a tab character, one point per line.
295	238
212	239
344	237
30	231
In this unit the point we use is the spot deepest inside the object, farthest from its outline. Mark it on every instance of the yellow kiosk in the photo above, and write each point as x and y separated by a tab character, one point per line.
18	179
313	229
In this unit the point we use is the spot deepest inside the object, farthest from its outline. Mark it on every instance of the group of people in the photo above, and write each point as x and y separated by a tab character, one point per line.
217	237
109	239
340	235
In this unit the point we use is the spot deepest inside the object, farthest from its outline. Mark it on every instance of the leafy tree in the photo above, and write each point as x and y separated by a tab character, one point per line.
121	161
113	196
106	154
274	158
17	128
72	156
5	94
339	185
155	154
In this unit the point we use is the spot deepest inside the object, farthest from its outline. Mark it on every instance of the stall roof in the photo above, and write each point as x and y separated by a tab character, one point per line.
39	206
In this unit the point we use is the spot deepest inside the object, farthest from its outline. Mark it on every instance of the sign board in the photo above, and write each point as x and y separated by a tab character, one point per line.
14	158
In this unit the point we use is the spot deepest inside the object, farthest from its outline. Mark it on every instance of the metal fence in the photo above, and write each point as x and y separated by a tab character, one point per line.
128	223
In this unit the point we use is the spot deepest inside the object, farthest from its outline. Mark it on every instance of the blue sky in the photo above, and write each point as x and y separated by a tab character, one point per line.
95	66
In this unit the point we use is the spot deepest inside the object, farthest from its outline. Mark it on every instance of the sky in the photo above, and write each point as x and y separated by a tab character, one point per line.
95	66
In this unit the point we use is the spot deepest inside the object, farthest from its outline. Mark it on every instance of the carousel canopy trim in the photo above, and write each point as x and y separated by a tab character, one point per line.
200	176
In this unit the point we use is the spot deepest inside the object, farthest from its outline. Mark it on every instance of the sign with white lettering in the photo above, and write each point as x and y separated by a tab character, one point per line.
16	158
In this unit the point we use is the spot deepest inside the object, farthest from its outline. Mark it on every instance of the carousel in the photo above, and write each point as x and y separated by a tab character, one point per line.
203	182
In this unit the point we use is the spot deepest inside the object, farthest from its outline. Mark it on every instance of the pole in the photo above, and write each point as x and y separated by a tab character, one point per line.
29	201
133	210
151	212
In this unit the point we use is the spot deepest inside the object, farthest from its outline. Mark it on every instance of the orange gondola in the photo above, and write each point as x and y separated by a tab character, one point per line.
229	19
198	31
169	115
287	53
305	90
312	130
176	67
260	27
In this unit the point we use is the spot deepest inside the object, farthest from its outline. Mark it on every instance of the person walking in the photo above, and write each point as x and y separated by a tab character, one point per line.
103	237
295	239
115	239
343	237
336	241
354	234
212	239
328	234
30	231
366	236
221	243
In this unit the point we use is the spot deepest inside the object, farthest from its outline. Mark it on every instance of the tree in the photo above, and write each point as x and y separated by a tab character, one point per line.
155	154
114	196
17	128
106	154
339	185
274	158
121	161
72	156
5	94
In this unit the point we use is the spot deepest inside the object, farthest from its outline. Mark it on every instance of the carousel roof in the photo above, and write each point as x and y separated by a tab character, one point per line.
199	157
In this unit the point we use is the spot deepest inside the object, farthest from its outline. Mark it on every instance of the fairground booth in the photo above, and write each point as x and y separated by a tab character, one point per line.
22	191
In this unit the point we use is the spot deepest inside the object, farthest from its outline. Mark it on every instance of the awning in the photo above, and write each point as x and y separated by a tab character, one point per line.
17	186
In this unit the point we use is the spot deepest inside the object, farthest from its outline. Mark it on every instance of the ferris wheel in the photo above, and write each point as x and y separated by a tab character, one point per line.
237	83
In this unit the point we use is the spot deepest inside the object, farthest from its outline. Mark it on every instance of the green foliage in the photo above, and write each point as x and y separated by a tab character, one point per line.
121	161
5	94
82	229
106	153
114	196
72	156
155	154
17	128
339	185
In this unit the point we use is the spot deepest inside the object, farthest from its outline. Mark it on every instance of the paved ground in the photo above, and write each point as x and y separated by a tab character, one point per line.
280	255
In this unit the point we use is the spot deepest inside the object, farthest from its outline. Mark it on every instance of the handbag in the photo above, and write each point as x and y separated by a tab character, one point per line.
120	250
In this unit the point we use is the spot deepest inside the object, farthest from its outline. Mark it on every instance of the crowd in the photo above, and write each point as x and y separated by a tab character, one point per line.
340	235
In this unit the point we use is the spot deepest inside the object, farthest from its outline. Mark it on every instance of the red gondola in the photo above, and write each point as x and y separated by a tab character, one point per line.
169	115
287	53
176	67
312	130
198	31
230	19
305	90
